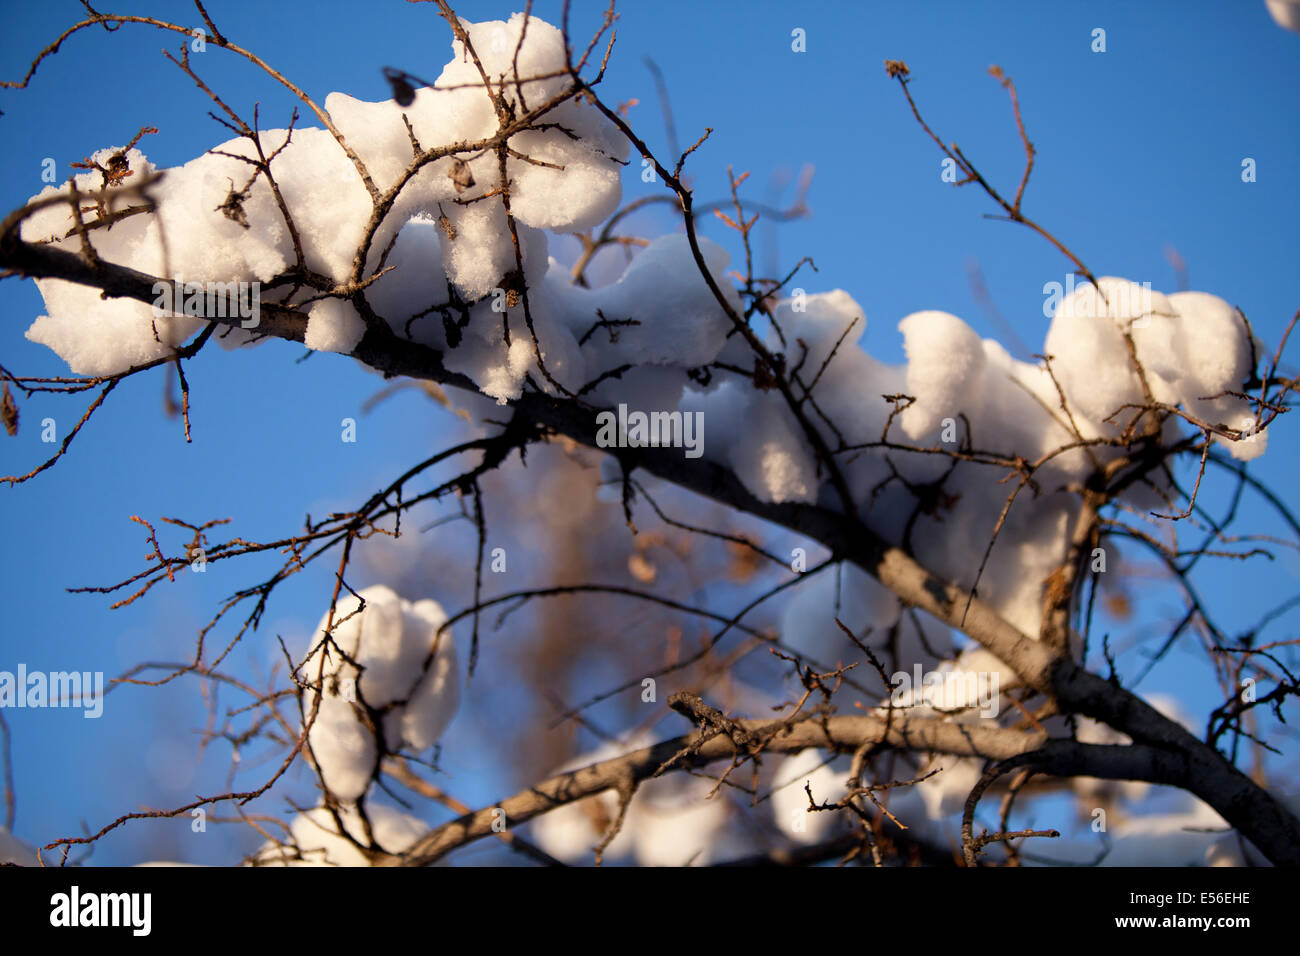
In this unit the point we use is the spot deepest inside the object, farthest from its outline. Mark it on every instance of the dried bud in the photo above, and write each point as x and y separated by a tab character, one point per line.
117	169
403	92
233	208
460	175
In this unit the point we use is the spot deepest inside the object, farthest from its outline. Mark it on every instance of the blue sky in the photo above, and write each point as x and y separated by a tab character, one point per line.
1139	148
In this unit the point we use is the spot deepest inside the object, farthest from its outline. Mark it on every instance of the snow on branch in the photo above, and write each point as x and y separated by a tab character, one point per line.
414	235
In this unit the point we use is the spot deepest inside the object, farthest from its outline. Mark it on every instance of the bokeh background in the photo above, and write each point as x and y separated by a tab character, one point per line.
1140	151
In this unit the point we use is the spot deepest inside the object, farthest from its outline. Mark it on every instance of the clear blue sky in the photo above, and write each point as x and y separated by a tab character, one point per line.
1139	147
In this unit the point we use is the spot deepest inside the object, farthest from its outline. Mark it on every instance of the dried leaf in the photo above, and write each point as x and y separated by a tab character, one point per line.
118	169
403	92
641	568
1118	606
233	208
744	563
1054	588
460	175
9	411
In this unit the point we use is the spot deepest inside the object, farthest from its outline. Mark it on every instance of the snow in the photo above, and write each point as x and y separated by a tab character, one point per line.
403	295
388	656
677	824
670	821
589	188
853	597
14	850
945	358
790	800
481	254
103	336
1093	732
453	286
1086	341
1213	354
970	686
333	326
1286	13
344	750
190	235
945	793
770	456
166	863
1195	836
571	832
1193	345
679	321
320	842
